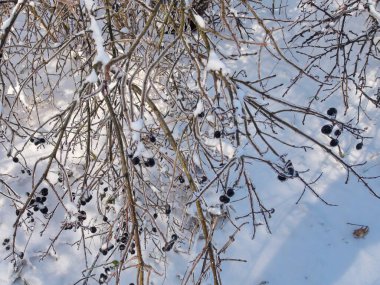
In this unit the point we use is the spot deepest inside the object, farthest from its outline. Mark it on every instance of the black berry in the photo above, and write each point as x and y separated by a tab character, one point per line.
17	212
359	146
326	129
201	115
174	237
152	139
88	199
43	199
44	210
155	215
332	112
281	177
135	160
217	134
150	162
203	179
93	230
38	200
132	251
181	179
44	191
154	230
105	219
15	159
334	142
224	199
167	209
122	246
230	192
338	133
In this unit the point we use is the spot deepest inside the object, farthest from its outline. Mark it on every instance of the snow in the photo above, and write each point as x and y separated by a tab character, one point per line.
199	108
101	56
200	21
8	21
92	77
372	10
215	64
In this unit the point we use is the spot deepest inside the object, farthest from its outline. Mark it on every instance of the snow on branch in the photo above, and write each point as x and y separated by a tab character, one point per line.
372	10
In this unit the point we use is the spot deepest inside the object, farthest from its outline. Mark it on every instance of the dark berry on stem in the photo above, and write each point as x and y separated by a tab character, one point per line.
338	133
154	230
217	134
326	129
135	160
359	146
174	237
17	212
155	215
93	230
152	139
230	192
281	177
181	179
44	191
224	199
167	209
332	112
150	162
44	210
15	159
334	142
43	199
122	246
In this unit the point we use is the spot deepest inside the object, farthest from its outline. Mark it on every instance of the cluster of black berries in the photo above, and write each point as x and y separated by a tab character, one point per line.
27	171
327	130
84	200
37	203
37	141
169	245
123	239
104	276
150	162
168	209
288	172
226	198
6	244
